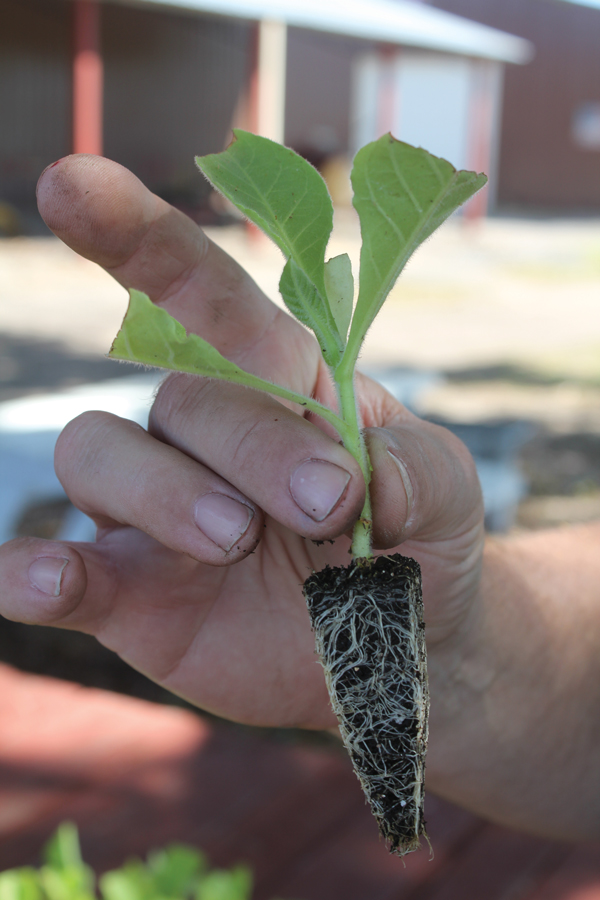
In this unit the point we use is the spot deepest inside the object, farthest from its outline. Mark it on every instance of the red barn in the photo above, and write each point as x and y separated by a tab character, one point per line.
151	84
550	135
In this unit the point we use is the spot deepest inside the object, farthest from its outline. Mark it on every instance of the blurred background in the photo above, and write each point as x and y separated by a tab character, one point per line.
494	328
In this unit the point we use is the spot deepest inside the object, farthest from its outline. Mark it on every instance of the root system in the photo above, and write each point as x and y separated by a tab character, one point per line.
370	637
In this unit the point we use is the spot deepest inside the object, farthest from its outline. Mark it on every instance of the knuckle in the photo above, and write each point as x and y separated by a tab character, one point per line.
76	440
192	413
83	441
177	400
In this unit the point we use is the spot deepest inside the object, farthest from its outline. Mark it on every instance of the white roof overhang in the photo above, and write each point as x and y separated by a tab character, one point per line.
594	4
390	21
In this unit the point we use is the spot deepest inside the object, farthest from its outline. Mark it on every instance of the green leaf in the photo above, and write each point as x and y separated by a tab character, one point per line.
279	191
339	284
222	885
287	198
63	850
301	298
150	336
402	194
131	882
65	876
176	869
68	883
20	884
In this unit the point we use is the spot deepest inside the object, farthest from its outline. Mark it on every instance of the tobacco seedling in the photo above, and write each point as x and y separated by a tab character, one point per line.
372	650
401	193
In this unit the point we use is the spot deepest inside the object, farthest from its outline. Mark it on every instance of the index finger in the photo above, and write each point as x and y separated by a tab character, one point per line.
104	213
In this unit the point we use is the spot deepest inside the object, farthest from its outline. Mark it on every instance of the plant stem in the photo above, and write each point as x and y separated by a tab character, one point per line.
354	442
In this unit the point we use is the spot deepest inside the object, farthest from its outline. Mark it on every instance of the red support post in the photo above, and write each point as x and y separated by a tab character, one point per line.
387	90
87	78
480	136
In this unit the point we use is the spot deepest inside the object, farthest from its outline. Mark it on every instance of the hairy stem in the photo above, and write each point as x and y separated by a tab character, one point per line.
309	403
354	442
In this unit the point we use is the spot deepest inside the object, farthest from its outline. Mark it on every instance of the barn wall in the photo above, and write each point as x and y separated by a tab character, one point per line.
171	85
35	86
540	163
318	93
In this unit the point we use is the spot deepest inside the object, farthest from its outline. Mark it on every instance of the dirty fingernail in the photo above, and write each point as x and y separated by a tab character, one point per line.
223	520
46	573
317	487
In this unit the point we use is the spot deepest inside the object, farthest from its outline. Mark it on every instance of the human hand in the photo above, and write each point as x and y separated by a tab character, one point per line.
206	523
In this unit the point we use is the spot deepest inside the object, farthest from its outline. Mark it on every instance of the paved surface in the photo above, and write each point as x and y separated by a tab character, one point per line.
135	776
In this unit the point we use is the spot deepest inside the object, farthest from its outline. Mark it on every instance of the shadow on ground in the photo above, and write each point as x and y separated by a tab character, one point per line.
33	366
514	374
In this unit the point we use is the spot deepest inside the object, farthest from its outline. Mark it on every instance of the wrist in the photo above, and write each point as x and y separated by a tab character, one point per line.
516	690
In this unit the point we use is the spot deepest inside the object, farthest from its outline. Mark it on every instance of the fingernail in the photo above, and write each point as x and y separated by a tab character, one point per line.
408	488
223	520
45	574
317	487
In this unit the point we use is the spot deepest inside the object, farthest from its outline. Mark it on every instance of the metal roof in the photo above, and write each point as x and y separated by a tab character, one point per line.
390	21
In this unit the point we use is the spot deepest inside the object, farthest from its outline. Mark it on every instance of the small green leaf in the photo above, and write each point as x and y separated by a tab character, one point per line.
131	882
176	869
222	885
68	883
286	197
339	284
402	194
301	298
65	876
150	336
20	884
63	850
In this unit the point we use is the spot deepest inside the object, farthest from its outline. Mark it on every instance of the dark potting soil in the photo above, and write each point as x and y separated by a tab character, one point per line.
370	636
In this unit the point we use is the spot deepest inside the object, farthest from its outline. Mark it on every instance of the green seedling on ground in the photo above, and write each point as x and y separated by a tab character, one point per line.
177	872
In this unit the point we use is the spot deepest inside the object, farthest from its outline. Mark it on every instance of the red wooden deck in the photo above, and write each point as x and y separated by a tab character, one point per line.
134	776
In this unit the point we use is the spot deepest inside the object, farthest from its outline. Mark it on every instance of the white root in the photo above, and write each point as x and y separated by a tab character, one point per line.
370	637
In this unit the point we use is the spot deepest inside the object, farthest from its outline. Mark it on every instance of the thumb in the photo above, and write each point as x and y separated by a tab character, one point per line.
424	484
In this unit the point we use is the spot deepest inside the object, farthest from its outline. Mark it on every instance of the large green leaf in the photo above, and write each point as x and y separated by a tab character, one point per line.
402	194
287	198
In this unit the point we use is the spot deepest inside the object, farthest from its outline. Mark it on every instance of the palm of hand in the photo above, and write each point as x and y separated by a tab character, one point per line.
236	640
